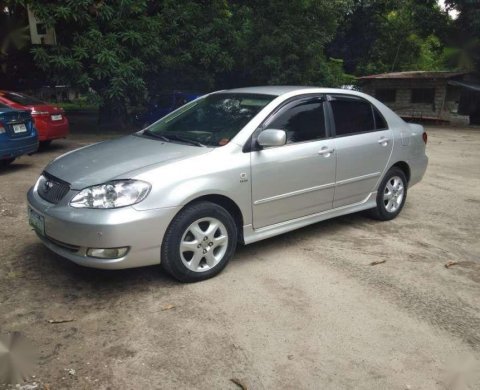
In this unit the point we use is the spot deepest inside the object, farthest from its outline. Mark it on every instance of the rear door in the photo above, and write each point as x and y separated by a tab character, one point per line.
296	179
363	144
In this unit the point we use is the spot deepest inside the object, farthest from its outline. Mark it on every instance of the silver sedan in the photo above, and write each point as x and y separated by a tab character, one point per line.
231	167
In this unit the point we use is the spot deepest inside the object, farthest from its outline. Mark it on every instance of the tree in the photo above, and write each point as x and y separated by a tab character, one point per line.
283	41
465	37
122	49
15	60
384	35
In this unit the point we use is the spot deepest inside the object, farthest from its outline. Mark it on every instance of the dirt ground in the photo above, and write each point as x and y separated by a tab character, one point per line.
305	310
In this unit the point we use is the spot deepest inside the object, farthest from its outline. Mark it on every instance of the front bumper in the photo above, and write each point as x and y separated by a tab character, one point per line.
69	232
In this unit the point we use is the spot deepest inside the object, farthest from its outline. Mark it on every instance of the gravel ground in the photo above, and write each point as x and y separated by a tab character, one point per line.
305	310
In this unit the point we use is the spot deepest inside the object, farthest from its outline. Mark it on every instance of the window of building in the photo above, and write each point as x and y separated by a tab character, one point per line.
423	95
302	121
386	95
352	115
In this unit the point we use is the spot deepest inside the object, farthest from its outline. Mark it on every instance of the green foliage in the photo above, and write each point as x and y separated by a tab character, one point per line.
97	51
464	42
122	51
14	37
125	50
432	54
284	40
384	36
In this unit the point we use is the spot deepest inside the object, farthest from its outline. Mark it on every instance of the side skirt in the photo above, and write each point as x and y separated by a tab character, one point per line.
252	235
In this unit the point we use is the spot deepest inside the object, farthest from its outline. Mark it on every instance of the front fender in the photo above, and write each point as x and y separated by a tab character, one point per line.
225	171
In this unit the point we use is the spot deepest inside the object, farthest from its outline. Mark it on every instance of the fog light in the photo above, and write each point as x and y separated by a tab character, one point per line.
107	253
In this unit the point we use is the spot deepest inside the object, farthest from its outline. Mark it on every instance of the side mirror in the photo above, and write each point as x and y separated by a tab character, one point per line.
272	137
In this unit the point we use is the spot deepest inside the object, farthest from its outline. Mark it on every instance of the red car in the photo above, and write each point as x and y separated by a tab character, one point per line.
50	121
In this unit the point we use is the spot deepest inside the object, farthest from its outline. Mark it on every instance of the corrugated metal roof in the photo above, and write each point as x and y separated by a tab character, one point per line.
414	75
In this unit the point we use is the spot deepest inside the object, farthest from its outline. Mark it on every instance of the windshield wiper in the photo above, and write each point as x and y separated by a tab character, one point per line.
173	137
155	135
176	137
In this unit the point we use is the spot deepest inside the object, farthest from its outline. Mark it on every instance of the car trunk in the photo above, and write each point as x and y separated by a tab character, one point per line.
51	114
16	123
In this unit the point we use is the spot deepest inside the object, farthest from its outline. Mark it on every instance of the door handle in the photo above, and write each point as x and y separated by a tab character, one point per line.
383	141
326	151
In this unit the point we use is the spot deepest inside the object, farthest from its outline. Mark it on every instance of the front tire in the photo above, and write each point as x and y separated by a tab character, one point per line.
391	195
199	242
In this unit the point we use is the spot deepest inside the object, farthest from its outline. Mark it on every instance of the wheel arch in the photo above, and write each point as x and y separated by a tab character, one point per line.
228	204
404	167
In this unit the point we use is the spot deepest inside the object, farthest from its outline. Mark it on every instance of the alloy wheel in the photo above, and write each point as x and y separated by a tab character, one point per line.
203	244
393	194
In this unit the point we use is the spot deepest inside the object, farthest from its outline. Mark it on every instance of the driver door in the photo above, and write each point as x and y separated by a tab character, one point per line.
298	178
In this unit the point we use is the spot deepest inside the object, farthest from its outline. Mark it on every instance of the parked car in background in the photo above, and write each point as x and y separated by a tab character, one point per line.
163	104
18	135
234	166
50	120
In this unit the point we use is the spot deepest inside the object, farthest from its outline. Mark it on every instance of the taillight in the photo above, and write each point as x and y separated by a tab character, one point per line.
425	137
34	112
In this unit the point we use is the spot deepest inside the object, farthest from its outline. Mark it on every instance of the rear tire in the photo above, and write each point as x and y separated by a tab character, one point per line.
391	195
8	161
45	144
199	242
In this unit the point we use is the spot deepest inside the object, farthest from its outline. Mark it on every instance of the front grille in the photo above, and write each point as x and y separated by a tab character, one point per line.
52	189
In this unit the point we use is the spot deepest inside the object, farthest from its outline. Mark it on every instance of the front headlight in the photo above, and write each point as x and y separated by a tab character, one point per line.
111	195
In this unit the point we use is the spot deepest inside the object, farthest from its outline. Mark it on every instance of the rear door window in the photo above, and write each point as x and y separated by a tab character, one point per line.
354	115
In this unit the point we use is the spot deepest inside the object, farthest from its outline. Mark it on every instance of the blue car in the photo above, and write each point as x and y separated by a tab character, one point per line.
163	104
18	135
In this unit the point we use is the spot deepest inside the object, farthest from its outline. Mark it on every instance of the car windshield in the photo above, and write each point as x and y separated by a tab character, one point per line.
210	121
22	99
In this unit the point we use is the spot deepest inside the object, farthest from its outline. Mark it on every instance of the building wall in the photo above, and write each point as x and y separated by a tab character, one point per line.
445	103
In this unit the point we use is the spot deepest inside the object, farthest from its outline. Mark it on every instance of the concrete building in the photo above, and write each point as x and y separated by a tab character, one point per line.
449	97
40	34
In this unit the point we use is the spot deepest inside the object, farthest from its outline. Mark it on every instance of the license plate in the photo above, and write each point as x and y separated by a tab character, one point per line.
20	128
56	117
36	221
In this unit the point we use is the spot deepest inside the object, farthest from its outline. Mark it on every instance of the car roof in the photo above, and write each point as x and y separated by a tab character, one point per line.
278	90
275	90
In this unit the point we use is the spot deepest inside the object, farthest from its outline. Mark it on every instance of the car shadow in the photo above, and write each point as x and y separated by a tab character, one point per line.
331	226
14	168
52	148
54	274
57	274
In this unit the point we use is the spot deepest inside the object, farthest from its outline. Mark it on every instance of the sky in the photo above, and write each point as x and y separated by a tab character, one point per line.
452	13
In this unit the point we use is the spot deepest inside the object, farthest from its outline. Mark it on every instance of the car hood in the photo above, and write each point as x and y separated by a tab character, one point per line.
108	160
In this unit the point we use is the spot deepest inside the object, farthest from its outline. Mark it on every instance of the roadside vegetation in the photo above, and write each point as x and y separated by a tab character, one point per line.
119	53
